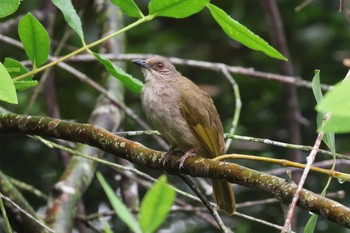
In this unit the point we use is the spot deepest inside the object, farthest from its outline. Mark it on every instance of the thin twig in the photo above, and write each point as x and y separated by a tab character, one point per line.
207	204
24	212
215	66
310	160
238	104
260	221
245	138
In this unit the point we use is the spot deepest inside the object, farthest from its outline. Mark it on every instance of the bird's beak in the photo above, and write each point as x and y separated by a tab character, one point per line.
141	63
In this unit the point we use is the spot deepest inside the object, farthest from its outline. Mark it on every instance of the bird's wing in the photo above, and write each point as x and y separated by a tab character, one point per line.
201	115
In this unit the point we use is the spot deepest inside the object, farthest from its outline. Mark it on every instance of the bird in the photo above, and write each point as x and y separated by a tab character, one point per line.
186	117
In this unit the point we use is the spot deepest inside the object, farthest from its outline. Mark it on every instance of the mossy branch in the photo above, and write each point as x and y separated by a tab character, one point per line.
280	188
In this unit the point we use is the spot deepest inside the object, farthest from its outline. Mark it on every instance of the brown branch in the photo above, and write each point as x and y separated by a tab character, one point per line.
215	66
195	166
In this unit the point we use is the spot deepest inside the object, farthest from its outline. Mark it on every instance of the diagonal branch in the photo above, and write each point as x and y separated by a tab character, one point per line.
195	166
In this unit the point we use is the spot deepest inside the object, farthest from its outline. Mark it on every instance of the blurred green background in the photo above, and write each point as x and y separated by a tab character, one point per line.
317	38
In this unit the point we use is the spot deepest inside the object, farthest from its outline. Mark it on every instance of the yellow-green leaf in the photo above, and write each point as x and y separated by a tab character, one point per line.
7	88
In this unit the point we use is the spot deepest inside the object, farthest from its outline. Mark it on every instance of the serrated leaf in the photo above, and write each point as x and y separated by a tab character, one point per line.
328	137
122	211
240	33
35	39
156	205
337	100
130	82
129	7
175	8
70	15
8	7
7	88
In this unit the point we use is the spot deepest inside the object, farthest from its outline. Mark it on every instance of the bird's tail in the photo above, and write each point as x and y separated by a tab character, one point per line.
223	196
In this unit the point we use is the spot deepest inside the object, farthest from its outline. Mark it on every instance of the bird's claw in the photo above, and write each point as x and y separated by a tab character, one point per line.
184	157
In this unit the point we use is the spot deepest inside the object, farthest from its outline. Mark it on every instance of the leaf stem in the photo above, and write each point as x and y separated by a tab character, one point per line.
286	163
85	47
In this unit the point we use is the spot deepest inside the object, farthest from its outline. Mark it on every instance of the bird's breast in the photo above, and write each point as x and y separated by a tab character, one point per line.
160	102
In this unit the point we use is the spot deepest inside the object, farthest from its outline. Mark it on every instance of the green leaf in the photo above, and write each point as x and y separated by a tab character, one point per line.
337	100
176	8
118	206
35	39
316	86
328	137
129	7
8	7
5	220
23	85
130	82
311	224
337	124
240	33
156	205
106	227
7	88
15	68
70	15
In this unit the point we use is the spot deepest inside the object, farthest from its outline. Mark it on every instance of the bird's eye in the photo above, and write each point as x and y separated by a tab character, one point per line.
160	65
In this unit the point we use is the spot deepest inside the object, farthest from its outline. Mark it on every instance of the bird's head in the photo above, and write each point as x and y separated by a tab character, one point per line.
157	66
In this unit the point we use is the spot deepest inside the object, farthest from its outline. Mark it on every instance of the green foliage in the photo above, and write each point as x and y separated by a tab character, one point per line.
156	205
311	224
7	88
337	102
129	7
176	8
15	68
70	15
8	7
154	208
240	33
35	39
119	207
328	137
131	83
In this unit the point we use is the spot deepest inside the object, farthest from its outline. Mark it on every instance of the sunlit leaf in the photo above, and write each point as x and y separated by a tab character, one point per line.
156	205
122	211
337	100
7	88
337	124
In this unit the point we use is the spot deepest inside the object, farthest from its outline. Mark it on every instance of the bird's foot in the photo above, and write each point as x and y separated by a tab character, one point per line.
170	152
185	156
